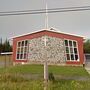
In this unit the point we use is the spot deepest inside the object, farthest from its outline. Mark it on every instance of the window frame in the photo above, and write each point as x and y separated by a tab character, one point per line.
73	50
23	50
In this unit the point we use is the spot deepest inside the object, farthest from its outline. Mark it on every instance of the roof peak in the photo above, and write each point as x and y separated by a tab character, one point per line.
51	30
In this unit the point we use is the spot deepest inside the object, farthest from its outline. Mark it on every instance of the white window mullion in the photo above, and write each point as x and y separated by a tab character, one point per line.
19	52
69	50
69	53
77	50
73	50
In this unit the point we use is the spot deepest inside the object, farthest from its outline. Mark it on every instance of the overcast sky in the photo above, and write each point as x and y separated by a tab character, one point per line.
69	22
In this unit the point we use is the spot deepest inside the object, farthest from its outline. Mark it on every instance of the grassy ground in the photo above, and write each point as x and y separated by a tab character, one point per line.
38	69
11	78
12	82
22	84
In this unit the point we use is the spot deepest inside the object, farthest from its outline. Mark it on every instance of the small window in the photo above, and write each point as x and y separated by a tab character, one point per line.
67	50
18	50
19	44
70	43
26	42
71	50
21	49
17	56
74	43
21	56
76	57
25	49
25	55
68	57
72	57
22	43
75	50
66	42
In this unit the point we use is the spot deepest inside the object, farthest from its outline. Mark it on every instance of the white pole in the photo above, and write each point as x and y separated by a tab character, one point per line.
46	17
45	42
45	63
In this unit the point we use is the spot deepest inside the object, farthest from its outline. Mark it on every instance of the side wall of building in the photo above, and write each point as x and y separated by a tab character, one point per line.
52	34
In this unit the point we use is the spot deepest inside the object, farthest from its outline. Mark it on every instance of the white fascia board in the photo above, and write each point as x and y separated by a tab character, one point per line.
52	30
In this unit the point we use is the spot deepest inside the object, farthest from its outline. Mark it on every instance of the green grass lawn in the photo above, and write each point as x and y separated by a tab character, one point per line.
10	78
38	69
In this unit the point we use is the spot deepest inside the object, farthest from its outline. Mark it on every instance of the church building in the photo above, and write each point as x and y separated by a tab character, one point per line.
56	47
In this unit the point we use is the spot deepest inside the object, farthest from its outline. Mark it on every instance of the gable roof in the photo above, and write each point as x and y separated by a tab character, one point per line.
50	30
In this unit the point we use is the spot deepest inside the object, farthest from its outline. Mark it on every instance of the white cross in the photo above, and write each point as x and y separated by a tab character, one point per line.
45	41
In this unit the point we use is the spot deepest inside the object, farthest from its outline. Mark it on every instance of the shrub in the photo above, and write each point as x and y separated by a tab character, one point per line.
51	77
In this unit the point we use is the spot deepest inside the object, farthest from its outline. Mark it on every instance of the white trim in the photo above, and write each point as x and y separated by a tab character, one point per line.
49	29
58	31
6	53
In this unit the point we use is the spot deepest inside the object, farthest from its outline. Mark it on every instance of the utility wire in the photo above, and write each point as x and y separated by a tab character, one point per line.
40	11
47	9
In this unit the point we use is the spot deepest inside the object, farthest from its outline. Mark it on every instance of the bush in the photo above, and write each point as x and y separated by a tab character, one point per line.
51	77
